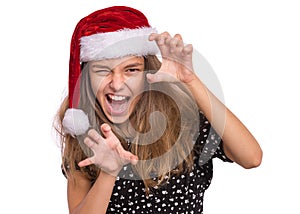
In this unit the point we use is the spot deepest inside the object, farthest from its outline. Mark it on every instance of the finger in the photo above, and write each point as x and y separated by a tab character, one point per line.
106	130
126	156
134	160
153	78
160	77
166	34
111	140
178	36
153	36
90	143
85	162
164	38
95	136
108	133
159	38
175	44
188	49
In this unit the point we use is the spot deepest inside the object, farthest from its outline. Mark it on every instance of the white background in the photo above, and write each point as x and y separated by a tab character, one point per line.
253	47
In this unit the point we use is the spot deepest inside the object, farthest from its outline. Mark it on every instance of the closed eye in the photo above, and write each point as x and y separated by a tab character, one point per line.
102	72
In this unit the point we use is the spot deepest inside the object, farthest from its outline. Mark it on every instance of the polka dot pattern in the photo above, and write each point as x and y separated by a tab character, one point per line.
183	193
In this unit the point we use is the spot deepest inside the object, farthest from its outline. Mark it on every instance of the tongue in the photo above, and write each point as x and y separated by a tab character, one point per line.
118	107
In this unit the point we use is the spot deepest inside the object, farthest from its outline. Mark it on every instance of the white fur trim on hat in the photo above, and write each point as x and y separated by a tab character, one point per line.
75	122
118	44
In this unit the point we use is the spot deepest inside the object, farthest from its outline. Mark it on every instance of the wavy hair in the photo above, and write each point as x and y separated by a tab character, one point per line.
162	130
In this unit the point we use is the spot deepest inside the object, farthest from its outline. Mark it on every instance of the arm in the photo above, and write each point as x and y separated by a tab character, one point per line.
110	156
84	198
239	144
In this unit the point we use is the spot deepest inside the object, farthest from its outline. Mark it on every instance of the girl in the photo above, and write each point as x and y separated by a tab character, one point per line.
139	134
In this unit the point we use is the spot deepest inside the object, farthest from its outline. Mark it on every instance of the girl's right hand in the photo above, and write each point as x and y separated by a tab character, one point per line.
177	59
109	155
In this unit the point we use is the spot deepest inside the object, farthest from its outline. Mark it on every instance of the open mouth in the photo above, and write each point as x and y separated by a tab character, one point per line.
117	104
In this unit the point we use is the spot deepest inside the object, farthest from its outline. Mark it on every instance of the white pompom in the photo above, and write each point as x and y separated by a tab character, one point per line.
75	122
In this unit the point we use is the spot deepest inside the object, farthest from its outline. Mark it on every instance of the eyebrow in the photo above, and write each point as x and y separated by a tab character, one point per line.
109	68
133	65
100	66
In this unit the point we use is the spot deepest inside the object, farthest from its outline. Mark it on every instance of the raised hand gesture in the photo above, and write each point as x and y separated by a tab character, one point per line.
176	59
109	155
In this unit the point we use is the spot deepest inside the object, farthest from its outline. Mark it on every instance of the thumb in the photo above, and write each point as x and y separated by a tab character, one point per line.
160	76
153	78
85	162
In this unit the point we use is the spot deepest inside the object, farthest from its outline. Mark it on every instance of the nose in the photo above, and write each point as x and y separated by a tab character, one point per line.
117	82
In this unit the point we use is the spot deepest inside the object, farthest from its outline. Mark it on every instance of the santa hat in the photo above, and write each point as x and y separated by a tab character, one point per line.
112	32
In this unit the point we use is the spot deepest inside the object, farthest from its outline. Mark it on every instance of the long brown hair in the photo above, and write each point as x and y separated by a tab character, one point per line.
163	109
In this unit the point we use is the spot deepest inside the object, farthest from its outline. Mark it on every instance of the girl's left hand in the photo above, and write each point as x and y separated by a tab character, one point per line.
176	59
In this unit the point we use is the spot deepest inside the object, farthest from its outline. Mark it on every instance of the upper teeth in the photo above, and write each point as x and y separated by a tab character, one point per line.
116	97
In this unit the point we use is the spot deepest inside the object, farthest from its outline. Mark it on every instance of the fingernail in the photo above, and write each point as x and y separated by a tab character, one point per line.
134	160
106	127
161	42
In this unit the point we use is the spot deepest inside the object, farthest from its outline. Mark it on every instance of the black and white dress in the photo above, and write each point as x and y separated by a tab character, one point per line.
181	194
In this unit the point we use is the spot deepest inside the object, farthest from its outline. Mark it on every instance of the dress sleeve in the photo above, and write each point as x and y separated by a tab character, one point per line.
209	144
89	171
65	166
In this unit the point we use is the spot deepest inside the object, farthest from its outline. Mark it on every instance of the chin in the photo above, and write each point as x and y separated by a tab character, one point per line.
118	119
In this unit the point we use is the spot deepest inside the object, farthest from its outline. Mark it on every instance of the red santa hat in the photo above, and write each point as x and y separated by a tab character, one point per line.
112	32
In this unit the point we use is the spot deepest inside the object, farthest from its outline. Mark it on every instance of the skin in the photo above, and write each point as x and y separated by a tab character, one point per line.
239	144
121	79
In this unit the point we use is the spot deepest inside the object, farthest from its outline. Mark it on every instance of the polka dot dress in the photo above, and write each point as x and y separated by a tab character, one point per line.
182	193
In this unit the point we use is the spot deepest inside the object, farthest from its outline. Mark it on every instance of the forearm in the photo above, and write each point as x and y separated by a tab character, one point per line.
97	199
239	144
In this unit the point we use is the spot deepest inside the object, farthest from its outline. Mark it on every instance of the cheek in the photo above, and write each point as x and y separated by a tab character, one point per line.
137	84
97	85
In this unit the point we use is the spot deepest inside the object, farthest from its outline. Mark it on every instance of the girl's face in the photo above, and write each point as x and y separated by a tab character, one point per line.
117	83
